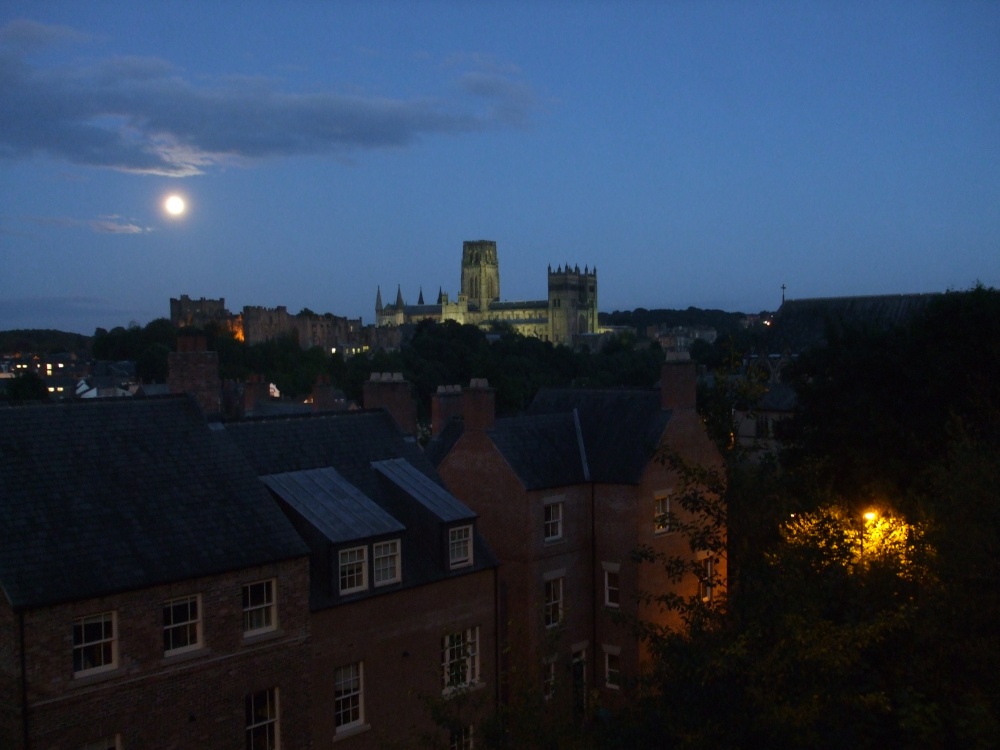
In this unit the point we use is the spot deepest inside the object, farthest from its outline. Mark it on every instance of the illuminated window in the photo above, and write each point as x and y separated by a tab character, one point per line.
258	608
95	648
353	570
181	625
553	602
460	659
386	562
460	546
612	589
553	521
262	720
705	582
661	518
348	691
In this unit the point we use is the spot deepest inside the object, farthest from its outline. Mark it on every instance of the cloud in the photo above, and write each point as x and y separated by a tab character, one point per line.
142	115
101	225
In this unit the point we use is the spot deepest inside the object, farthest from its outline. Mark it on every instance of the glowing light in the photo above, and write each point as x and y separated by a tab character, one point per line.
870	515
174	205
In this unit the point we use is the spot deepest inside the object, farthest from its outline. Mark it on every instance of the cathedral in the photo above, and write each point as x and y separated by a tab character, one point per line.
571	307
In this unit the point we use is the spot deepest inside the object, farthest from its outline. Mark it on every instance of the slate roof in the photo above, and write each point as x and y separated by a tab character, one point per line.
544	450
114	495
418	486
333	506
801	324
621	428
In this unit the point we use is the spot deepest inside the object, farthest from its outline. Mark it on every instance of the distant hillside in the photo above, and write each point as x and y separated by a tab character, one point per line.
45	341
640	318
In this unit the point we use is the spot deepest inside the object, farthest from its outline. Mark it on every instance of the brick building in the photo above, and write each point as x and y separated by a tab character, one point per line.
565	494
154	595
402	584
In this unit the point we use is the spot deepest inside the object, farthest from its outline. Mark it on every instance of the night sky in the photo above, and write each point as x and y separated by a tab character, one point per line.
697	153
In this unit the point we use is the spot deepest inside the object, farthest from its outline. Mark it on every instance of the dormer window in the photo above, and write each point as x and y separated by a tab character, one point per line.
353	570
460	546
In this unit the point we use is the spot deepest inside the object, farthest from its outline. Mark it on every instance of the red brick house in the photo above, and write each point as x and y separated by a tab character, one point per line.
565	494
154	595
403	585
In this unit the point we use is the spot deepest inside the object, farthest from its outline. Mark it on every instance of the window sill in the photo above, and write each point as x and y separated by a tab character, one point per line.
450	692
92	678
269	635
183	656
348	732
554	541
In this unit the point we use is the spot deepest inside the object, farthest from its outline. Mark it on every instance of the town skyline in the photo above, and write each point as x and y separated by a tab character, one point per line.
698	155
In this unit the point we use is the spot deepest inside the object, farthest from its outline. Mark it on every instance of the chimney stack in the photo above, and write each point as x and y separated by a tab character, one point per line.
389	391
195	370
325	397
678	384
479	405
446	404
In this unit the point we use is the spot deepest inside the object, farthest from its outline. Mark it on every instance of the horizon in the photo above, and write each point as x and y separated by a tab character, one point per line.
699	155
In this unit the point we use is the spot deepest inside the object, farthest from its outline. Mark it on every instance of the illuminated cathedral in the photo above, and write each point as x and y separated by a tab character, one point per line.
571	307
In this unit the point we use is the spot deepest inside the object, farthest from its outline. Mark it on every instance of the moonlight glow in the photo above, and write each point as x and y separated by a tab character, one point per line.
174	205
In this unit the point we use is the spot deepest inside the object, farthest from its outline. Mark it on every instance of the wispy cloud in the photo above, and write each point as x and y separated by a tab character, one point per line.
101	225
143	115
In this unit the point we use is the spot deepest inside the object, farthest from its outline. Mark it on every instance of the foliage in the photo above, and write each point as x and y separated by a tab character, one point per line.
130	343
26	387
37	340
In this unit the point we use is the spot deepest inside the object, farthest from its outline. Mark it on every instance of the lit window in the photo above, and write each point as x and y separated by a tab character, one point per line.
95	648
612	591
386	560
348	706
353	570
258	608
262	720
460	546
705	582
612	667
661	520
460	659
553	522
181	625
460	738
553	602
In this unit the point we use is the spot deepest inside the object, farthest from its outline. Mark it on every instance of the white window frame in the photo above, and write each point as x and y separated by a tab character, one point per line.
357	559
86	646
171	627
270	720
612	667
460	546
260	614
459	660
349	696
382	551
554	599
705	574
552	520
549	678
461	738
661	513
612	570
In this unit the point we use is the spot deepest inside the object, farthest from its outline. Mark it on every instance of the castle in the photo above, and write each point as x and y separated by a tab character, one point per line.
571	307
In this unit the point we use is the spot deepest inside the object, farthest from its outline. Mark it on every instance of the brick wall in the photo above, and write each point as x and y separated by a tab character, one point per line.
194	699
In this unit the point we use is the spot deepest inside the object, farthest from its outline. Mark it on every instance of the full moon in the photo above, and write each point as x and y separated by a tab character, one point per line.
174	205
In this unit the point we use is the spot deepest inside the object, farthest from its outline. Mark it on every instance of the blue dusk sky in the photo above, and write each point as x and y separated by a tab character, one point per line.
696	153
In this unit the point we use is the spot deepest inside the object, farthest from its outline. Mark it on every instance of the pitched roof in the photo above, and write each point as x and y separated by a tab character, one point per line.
114	495
418	486
621	428
544	450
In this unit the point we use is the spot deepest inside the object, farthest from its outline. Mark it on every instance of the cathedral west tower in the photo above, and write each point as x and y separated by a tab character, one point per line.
480	273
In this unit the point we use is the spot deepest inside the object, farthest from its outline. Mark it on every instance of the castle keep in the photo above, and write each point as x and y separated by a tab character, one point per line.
570	309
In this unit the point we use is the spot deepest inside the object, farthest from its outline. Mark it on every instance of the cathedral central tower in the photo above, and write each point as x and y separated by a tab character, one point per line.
480	273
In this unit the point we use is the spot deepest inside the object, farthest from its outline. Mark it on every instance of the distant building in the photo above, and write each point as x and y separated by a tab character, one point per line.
569	310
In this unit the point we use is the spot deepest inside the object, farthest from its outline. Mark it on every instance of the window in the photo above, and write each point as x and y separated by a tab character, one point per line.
95	648
460	738
612	590
549	679
460	546
181	625
386	558
460	659
553	521
612	667
353	570
553	602
661	519
105	743
258	608
262	720
348	706
705	582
